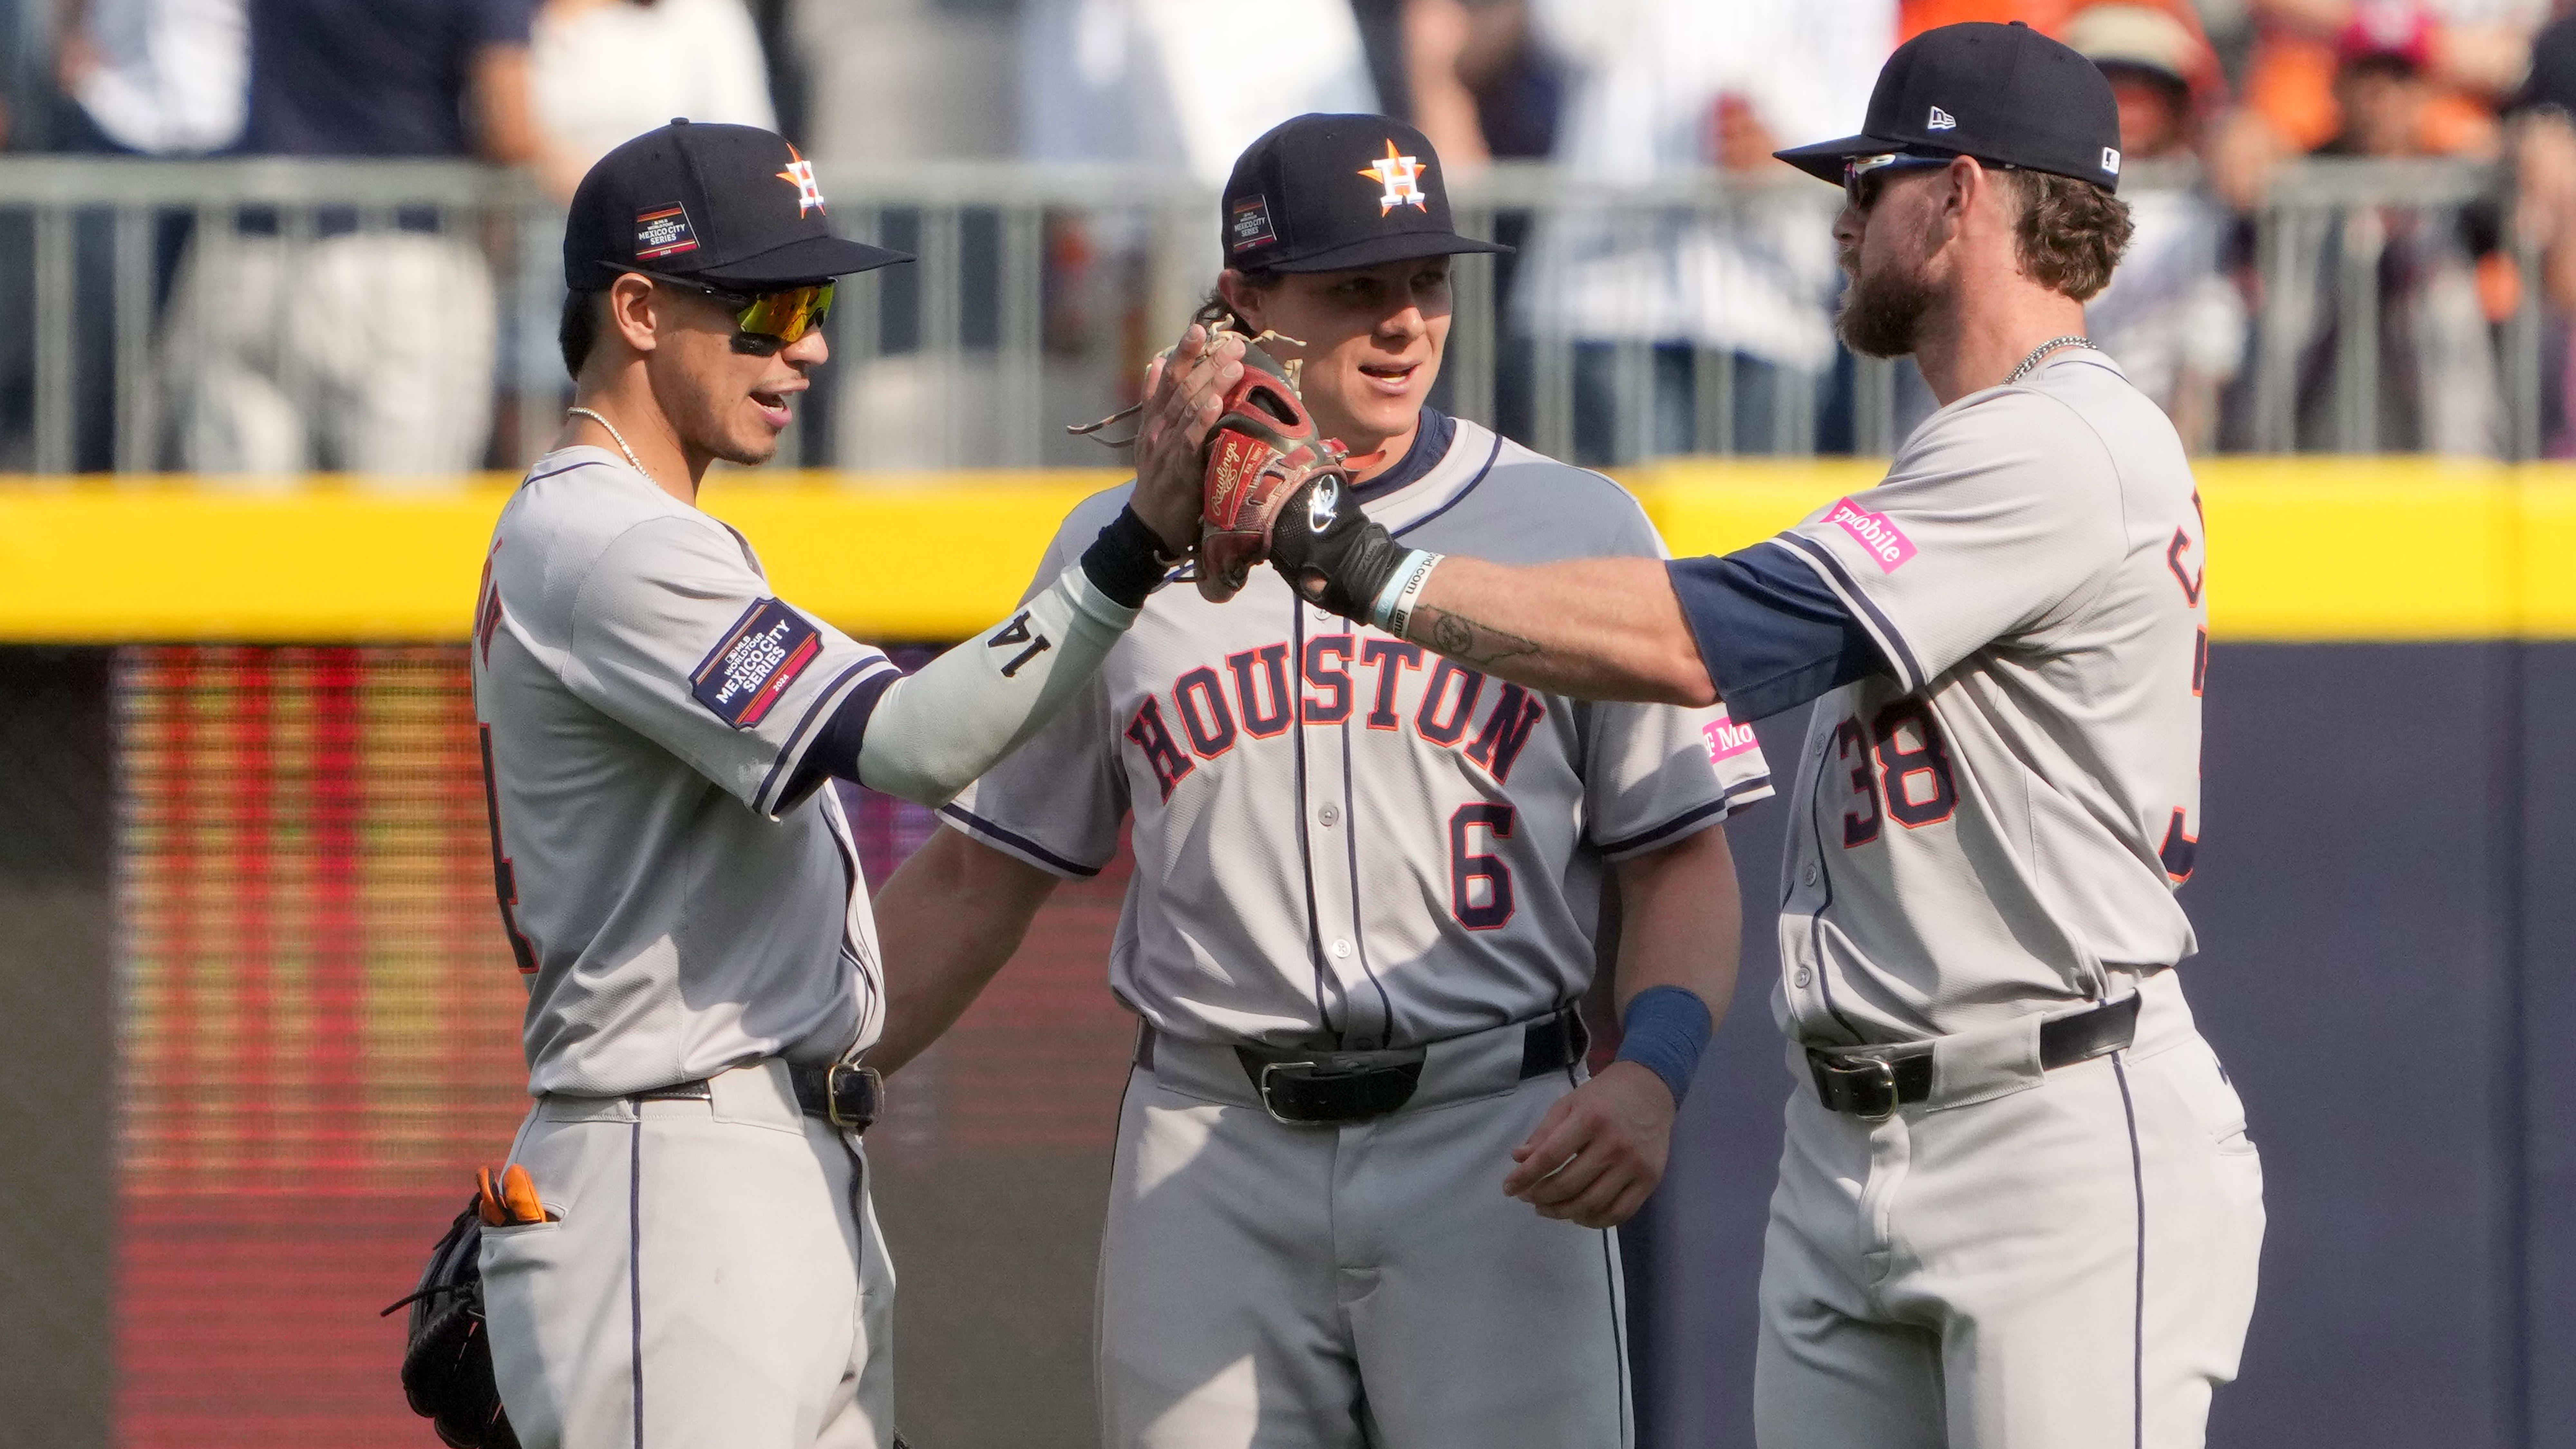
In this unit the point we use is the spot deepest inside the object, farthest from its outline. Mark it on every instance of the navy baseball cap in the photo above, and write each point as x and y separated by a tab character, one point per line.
2002	93
732	206
1321	193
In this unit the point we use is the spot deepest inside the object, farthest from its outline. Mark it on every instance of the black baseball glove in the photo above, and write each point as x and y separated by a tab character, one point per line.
447	1371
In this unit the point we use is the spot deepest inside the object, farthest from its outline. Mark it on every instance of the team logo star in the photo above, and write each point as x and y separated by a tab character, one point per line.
800	174
1402	178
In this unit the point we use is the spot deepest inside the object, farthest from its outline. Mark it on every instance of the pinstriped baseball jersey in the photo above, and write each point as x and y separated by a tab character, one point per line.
1983	831
1339	835
645	703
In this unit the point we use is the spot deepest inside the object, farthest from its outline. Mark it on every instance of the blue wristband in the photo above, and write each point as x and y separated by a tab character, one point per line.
1664	1030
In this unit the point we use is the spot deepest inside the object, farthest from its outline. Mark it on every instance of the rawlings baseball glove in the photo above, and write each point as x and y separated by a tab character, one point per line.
447	1371
1262	452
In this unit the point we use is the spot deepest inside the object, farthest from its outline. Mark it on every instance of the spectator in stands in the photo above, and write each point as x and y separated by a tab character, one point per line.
1480	88
367	350
1181	81
1180	86
2471	55
2541	136
605	71
2171	317
1653	86
138	78
2437	386
155	77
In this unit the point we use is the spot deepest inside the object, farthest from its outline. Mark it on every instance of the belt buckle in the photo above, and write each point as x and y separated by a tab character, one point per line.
851	1096
1267	1105
1880	1076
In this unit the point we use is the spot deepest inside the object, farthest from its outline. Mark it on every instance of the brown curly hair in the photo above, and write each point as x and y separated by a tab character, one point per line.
1215	309
2071	233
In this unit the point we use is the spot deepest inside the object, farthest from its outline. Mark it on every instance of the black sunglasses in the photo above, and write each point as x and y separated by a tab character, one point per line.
1862	193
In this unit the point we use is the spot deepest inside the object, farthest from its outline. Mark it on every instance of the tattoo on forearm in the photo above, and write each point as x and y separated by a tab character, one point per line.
1465	640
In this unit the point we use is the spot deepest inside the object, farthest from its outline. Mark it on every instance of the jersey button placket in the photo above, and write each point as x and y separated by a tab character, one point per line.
1359	1010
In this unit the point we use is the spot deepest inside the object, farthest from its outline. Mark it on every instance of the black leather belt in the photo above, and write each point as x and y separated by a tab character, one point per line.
844	1094
1872	1086
1327	1088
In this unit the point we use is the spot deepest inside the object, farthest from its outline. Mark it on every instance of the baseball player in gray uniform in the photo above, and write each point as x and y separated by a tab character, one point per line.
2017	1204
1366	892
676	878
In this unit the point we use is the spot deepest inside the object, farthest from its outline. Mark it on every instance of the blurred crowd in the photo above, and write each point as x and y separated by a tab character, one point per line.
373	348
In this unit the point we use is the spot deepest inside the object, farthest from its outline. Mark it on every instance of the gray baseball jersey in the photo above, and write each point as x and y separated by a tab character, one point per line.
645	703
2005	816
1339	834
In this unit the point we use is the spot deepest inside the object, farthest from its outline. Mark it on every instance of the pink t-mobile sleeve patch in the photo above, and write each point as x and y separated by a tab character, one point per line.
1726	739
1873	531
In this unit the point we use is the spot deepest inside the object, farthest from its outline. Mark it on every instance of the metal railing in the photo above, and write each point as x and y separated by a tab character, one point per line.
351	313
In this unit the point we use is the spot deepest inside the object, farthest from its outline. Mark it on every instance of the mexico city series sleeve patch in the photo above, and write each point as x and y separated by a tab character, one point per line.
746	675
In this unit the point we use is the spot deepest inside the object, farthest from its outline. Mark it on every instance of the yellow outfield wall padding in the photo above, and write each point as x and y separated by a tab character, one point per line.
2542	541
2300	548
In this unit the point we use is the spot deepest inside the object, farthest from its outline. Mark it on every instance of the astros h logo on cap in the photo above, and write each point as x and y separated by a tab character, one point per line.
1402	178
800	174
1292	204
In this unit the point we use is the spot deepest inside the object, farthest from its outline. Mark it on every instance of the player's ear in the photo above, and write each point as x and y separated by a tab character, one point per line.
1238	292
633	308
1967	184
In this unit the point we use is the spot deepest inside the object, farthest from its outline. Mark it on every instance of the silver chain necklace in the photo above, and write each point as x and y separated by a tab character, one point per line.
2037	354
630	452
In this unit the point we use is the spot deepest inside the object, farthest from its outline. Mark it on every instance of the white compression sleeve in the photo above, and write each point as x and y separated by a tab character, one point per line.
940	727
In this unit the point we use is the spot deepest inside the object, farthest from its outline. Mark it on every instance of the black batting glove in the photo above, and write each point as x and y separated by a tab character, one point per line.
1331	552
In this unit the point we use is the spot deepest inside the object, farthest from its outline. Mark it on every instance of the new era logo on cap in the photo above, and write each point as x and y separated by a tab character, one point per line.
2033	103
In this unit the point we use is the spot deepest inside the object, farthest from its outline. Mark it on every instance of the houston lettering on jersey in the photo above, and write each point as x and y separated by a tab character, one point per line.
743	677
1207	711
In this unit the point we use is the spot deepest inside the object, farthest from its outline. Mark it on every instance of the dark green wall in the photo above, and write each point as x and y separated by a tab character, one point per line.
57	1198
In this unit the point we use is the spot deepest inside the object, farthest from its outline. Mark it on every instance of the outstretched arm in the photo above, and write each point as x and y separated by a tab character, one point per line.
926	736
1756	626
1606	628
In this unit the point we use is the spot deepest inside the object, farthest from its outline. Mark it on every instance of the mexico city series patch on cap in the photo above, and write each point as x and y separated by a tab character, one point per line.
663	231
1250	226
746	675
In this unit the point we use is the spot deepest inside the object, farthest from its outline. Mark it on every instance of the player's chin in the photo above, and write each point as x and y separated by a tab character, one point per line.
1388	410
753	437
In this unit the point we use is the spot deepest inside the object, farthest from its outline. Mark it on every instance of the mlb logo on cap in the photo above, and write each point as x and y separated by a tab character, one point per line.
1325	193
